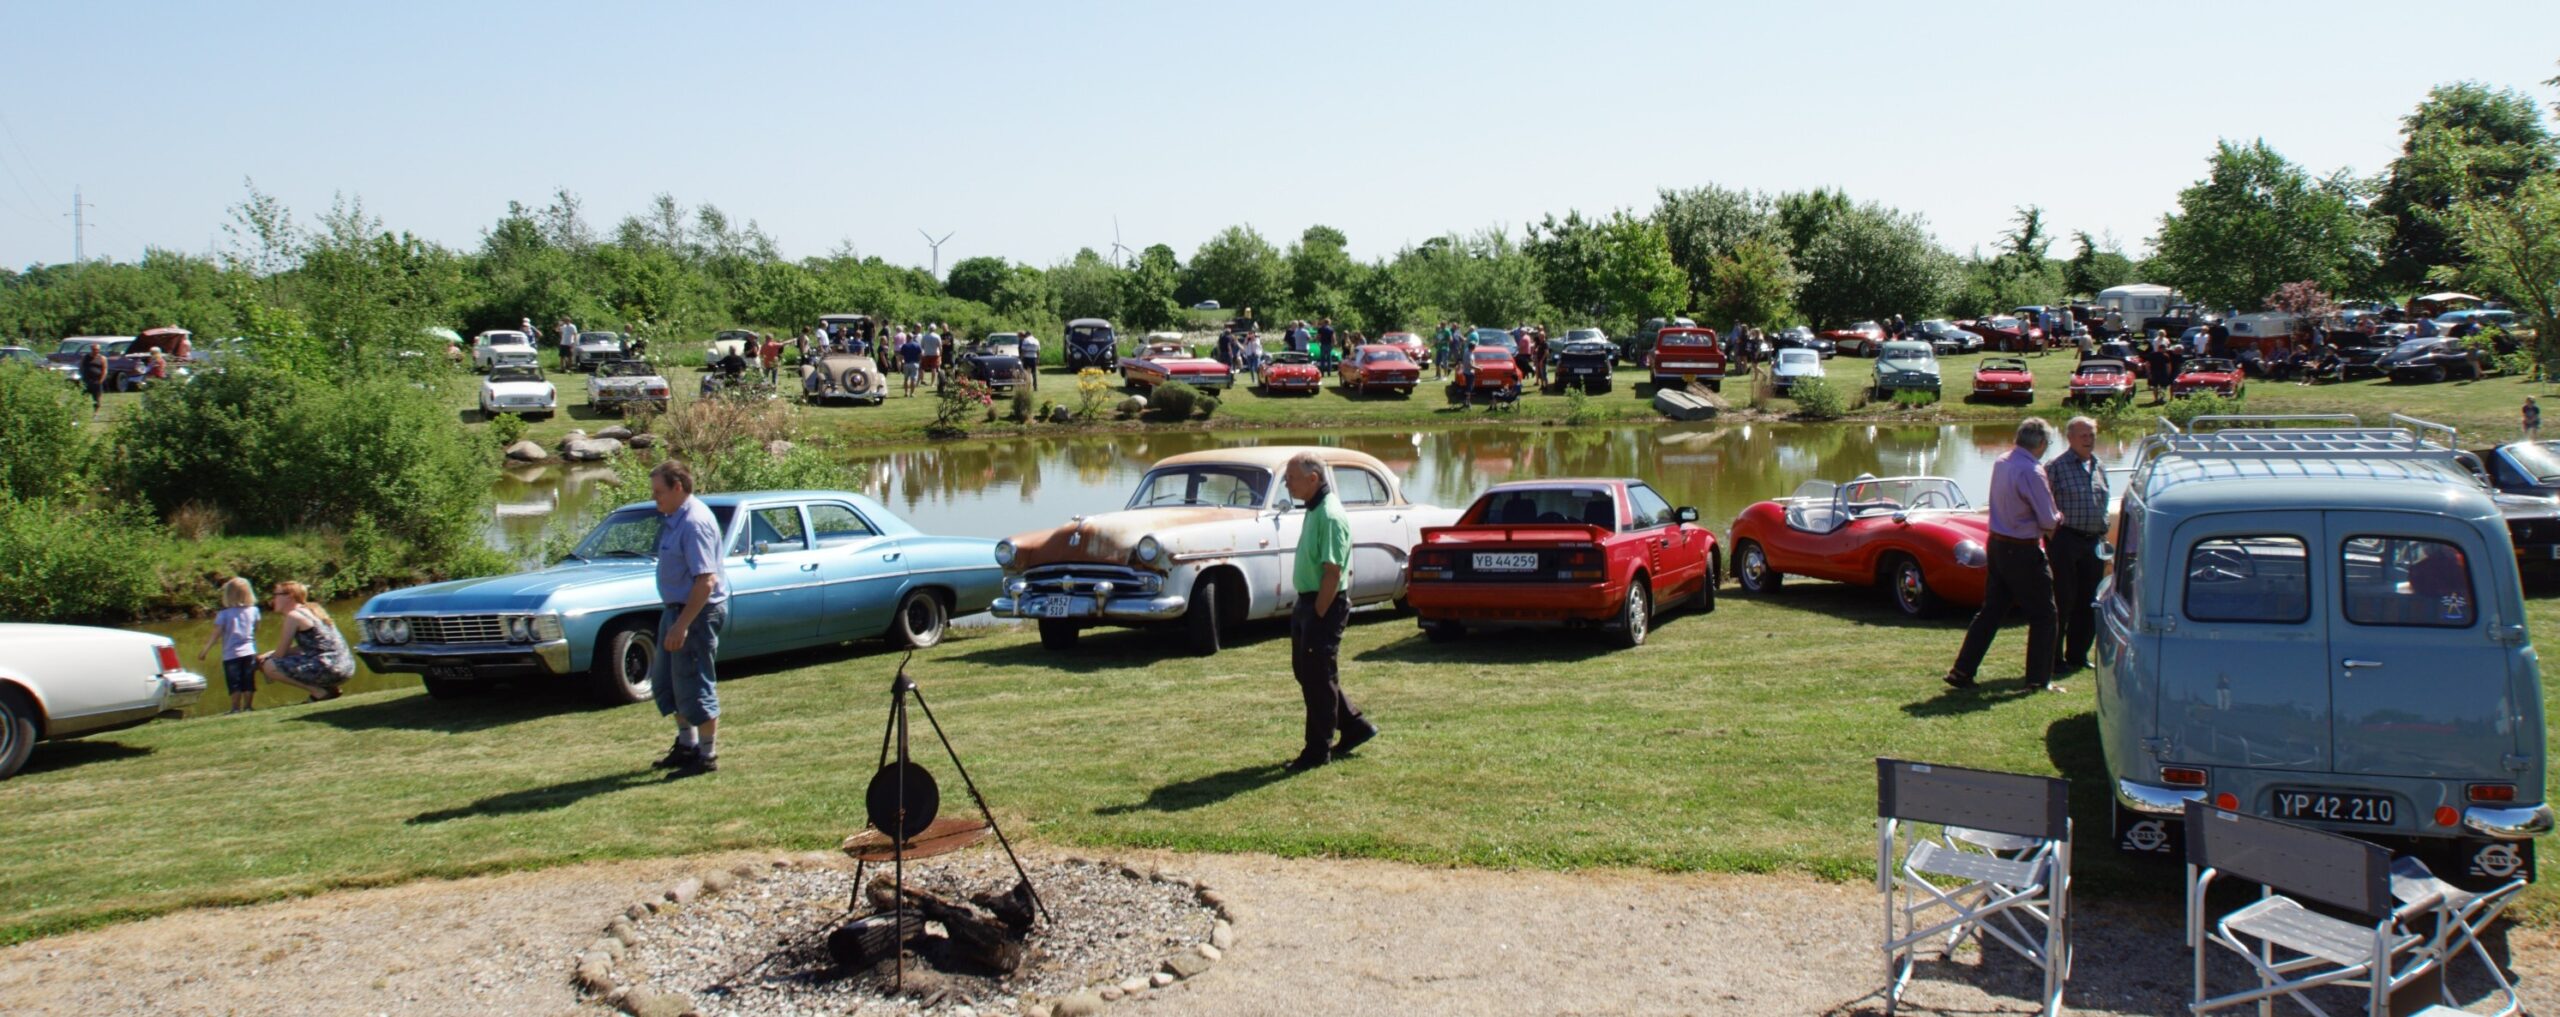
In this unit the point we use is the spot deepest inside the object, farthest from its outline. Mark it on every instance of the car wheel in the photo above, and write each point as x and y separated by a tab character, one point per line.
1635	616
921	621
1200	622
451	688
2436	373
1601	388
1443	632
624	658
17	731
1751	569
1911	590
1715	386
1706	599
1058	634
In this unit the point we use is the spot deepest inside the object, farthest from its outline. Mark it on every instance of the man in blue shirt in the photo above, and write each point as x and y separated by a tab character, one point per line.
693	593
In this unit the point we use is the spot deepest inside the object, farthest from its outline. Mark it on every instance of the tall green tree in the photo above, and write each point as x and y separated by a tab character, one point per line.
1755	284
1571	254
1381	302
1088	286
2258	221
1318	262
1863	261
977	278
1146	289
1237	268
1637	278
2510	246
1706	225
2091	270
2464	140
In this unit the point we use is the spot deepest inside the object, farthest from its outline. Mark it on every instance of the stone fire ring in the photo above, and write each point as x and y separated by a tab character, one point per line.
597	977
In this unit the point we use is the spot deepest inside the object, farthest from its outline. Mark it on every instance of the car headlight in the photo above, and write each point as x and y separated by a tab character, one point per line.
1004	552
519	629
1969	554
1148	549
397	629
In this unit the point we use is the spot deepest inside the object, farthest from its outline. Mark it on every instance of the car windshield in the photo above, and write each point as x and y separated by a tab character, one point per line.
2538	459
2414	346
625	369
499	374
1585	333
1089	333
2019	366
2095	368
78	346
1292	358
632	533
2000	322
599	337
1224	486
1798	358
1588	348
1866	326
1872	497
1904	354
17	353
1380	356
1937	325
503	339
2209	366
1494	337
1686	339
1490	355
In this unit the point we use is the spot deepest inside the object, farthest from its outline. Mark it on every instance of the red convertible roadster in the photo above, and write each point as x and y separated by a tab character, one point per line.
2209	374
1157	363
1490	371
1916	536
1288	371
2099	380
2004	378
1585	553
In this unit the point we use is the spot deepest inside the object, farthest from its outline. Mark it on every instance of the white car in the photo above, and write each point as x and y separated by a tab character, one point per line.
621	383
66	681
502	346
1207	541
1792	365
520	390
597	347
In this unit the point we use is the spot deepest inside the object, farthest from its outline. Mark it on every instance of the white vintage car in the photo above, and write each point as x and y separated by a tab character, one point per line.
65	681
502	346
520	390
620	383
597	347
1209	541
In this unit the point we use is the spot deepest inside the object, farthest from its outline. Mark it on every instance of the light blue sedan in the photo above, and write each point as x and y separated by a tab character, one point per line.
805	568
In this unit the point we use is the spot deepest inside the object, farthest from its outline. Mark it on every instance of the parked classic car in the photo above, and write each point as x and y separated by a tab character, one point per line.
1415	349
2003	378
1489	371
1905	366
995	363
597	347
502	346
1946	338
732	340
2524	467
1917	537
22	356
1159	362
66	681
1792	365
850	376
1586	364
2533	520
2432	359
2006	334
2096	380
1862	339
1092	343
2360	353
1683	355
1378	367
1637	348
805	568
1207	541
621	383
1286	371
523	391
1607	553
1802	337
2321	621
69	351
2210	374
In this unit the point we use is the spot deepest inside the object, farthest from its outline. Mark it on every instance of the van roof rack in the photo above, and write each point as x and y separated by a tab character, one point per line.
2341	440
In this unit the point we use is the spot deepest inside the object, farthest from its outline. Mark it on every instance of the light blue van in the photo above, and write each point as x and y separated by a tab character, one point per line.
2319	621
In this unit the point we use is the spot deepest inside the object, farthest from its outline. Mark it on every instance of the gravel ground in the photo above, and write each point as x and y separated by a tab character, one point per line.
1365	939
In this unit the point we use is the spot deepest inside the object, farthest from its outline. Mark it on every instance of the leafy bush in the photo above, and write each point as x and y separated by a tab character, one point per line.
43	453
957	401
1093	390
2185	409
1173	400
1022	399
1816	399
706	425
1579	410
58	564
1912	399
1208	406
507	429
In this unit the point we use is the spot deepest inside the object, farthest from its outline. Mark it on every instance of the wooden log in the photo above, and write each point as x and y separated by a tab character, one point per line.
1012	907
975	937
859	944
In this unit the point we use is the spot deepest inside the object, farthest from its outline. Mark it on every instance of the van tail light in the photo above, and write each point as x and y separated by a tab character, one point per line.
2182	776
2493	792
169	662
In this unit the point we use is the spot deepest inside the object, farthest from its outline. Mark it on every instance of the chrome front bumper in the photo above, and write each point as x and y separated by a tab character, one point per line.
2523	822
551	657
2156	801
1160	607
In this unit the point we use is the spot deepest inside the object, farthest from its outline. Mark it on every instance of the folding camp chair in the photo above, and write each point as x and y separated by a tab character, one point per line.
2292	947
2460	919
2000	866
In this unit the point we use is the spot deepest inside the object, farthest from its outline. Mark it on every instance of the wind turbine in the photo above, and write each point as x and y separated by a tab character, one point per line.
937	249
1118	252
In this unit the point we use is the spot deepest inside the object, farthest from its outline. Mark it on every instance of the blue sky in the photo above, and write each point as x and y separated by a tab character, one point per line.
1025	128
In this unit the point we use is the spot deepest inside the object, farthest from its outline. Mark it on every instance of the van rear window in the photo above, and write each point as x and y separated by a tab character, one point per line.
2263	580
2406	581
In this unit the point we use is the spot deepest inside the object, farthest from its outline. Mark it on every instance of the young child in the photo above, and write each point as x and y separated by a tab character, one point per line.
235	627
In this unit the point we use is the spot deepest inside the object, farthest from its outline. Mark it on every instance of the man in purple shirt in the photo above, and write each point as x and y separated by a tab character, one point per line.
2022	515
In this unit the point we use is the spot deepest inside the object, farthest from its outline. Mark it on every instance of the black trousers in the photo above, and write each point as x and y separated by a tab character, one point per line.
2020	577
1315	646
2076	571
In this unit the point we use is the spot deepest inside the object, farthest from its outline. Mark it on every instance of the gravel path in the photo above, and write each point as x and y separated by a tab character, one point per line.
1324	937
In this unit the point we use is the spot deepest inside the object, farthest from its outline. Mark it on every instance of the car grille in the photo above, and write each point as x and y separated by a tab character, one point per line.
463	628
1081	578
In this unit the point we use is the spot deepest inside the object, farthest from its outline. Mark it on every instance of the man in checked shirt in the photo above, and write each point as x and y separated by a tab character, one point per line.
2080	491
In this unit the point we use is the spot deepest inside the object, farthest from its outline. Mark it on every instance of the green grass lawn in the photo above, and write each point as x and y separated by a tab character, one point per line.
1738	741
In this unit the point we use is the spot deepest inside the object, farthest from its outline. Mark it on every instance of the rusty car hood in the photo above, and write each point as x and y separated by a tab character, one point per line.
1108	537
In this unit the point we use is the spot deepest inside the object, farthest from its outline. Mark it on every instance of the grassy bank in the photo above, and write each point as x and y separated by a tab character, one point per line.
1735	742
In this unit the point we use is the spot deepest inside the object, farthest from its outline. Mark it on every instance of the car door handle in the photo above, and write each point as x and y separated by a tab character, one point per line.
2352	664
810	567
891	556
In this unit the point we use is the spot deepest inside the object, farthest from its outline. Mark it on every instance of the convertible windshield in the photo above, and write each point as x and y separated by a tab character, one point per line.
1220	486
625	369
1872	497
2209	366
632	533
2538	459
2098	368
515	374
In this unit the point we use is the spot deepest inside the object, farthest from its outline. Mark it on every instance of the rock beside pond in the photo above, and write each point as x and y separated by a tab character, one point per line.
645	1003
617	432
1059	415
575	434
527	452
644	440
778	447
589	450
1133	404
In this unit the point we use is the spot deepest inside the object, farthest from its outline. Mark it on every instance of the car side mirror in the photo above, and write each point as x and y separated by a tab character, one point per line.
1285	504
1902	516
2106	551
1685	514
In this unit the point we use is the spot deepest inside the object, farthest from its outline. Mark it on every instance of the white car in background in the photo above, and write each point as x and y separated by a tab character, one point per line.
66	681
502	346
520	390
622	383
1792	365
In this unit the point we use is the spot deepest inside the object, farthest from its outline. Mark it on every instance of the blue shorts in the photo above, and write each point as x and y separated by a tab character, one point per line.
240	674
683	682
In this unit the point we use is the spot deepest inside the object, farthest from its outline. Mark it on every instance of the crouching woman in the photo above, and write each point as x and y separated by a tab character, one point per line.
310	653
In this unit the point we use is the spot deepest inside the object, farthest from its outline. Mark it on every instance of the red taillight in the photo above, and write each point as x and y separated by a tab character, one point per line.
2493	792
1431	559
169	662
1579	558
2182	776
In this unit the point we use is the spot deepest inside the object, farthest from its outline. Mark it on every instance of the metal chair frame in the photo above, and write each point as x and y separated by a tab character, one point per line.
2000	867
2460	920
2291	947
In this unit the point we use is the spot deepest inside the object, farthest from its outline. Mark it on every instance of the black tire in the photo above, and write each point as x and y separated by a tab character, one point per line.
1200	623
17	731
624	656
921	621
1751	569
451	688
1601	388
2435	373
1059	634
1635	616
1706	598
1910	587
1715	386
1443	632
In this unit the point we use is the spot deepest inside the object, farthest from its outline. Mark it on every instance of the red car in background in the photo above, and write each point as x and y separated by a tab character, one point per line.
2209	374
1288	371
1157	363
1491	371
2004	378
2096	379
1859	340
1682	355
2006	334
1377	367
1584	553
1414	348
1915	536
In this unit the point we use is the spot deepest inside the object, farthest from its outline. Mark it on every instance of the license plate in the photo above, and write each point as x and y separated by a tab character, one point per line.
1054	607
449	673
1507	562
2337	807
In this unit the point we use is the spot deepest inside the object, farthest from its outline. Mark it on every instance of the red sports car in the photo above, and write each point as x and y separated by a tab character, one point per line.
1859	340
1157	363
1916	536
2210	374
1682	355
1487	370
1290	372
2006	334
2097	379
2004	378
1378	367
1603	553
1414	348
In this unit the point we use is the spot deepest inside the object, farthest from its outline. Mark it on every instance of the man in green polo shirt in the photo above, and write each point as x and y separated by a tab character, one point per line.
1323	582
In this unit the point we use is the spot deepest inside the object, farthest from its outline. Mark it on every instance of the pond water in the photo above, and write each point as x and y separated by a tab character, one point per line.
997	489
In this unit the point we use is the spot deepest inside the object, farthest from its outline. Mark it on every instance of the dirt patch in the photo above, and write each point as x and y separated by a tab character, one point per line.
1335	937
